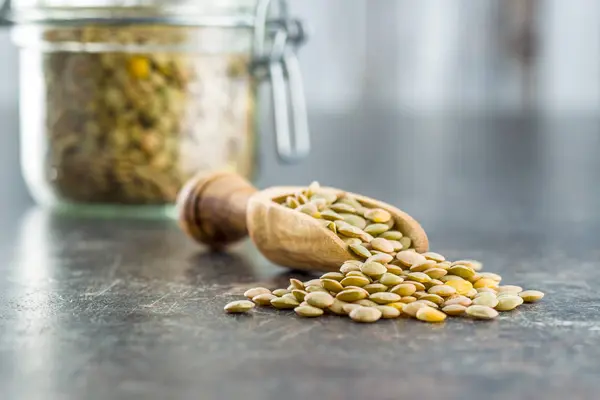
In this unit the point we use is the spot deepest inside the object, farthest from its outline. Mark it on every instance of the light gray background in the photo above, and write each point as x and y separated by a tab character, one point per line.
429	59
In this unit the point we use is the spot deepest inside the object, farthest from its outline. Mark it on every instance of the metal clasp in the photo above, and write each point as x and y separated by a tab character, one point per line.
4	12
281	65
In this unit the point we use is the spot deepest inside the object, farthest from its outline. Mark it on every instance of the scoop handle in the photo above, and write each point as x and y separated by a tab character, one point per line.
212	208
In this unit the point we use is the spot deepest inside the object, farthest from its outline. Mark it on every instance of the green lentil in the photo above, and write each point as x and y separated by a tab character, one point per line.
299	294
239	306
388	312
350	295
337	307
308	311
486	299
384	297
365	314
442	290
392	235
531	296
373	269
481	312
251	293
284	303
263	299
359	281
280	292
360	250
366	303
404	289
509	302
296	284
376	229
332	285
319	299
375	288
390	279
336	276
429	314
454	309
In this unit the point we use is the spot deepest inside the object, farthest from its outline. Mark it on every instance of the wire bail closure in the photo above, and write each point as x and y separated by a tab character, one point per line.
281	65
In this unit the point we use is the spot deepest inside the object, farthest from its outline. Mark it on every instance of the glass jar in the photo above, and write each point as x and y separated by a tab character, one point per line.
122	104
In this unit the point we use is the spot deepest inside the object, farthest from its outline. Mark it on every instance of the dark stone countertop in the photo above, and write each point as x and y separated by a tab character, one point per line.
115	309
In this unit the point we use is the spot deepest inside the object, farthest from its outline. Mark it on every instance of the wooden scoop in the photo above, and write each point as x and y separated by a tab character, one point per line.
223	208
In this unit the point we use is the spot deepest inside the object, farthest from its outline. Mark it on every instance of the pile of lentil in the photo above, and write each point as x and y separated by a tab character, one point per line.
423	286
392	280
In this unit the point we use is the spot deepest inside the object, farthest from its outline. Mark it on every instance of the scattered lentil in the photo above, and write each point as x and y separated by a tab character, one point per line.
409	258
337	276
394	269
296	284
404	289
284	303
365	314
397	305
239	306
280	292
390	279
366	303
251	293
337	307
427	303
360	250
442	290
375	287
412	308
481	312
486	299
373	269
429	314
461	300
352	280
382	245
434	256
332	285
454	309
348	307
436	273
531	296
350	295
388	312
434	298
508	302
313	282
263	299
299	294
381	258
319	299
510	289
384	297
308	311
461	286
376	229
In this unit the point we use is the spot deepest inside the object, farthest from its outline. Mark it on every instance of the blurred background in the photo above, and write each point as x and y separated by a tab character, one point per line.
437	84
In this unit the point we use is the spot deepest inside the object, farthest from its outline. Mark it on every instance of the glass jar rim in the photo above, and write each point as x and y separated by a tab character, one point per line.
220	13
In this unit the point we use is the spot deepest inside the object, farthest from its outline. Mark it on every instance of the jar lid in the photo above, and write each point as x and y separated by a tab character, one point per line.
176	12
